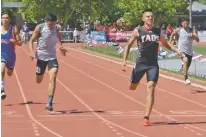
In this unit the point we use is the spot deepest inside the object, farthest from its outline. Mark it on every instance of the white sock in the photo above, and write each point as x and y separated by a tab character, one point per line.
2	84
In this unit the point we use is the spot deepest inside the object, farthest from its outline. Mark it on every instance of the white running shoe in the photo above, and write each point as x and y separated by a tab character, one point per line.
187	81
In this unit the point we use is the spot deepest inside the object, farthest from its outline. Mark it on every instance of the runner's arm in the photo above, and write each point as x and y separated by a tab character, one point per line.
195	36
59	35
130	43
166	44
173	34
34	37
17	36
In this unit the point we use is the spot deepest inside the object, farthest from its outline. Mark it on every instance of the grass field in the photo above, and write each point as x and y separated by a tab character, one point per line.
198	49
112	51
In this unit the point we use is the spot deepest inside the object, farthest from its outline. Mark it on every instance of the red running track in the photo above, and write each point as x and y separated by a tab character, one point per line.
93	100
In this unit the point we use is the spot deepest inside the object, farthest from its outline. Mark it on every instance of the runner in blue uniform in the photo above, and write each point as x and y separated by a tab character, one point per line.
9	39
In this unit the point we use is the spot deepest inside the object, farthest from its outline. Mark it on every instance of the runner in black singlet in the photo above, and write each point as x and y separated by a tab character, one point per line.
148	38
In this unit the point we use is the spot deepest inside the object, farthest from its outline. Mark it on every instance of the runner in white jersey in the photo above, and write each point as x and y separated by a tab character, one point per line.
186	37
47	36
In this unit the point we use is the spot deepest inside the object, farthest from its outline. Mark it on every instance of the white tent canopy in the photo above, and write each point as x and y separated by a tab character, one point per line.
13	4
196	6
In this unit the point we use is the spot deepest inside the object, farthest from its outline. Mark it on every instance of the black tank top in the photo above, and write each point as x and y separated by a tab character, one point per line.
148	45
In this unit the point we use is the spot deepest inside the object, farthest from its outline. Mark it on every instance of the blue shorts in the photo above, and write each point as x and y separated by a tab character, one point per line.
140	69
10	60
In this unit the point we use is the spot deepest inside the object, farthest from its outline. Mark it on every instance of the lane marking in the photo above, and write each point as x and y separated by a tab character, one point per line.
28	108
97	115
144	83
117	62
188	112
127	96
86	105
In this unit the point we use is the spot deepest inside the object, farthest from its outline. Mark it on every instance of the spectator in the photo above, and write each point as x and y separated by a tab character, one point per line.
75	35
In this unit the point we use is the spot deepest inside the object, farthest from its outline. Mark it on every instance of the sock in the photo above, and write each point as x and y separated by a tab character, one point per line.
186	77
50	100
2	84
146	117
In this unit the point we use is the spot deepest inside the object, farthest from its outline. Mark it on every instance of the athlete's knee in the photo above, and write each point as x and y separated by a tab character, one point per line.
53	76
133	86
3	66
185	60
9	73
151	87
53	73
2	71
150	90
39	78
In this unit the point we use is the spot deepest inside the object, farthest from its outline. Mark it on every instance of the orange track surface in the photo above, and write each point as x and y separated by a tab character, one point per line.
92	99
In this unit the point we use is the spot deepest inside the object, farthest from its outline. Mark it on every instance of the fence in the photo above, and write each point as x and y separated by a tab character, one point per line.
67	36
100	39
101	36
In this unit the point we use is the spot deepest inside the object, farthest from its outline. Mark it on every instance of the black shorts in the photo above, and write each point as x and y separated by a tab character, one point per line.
41	66
140	69
189	59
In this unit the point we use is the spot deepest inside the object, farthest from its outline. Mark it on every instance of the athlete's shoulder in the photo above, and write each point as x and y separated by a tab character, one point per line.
138	29
40	26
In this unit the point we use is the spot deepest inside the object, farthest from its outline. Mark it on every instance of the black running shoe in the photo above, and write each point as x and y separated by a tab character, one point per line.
3	94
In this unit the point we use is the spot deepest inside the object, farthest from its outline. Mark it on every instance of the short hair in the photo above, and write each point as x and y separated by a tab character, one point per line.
5	13
147	10
51	17
184	19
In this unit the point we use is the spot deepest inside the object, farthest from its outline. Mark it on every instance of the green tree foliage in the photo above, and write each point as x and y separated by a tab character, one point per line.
105	11
163	9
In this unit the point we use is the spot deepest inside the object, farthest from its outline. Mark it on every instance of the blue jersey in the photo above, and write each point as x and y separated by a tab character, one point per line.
8	54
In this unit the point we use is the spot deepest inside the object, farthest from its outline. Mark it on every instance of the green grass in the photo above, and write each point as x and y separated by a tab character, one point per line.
179	73
198	49
111	51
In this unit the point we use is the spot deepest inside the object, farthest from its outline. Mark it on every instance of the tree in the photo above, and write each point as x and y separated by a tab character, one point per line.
163	9
105	11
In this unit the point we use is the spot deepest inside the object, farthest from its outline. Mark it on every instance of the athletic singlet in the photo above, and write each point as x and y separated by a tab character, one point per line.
7	47
46	43
148	44
185	41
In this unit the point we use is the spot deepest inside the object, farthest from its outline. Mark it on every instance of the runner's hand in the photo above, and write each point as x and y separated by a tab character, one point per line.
32	56
179	53
13	40
124	65
191	35
63	51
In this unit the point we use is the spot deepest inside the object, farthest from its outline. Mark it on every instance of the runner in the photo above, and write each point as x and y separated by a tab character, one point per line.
148	38
47	35
9	38
186	37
